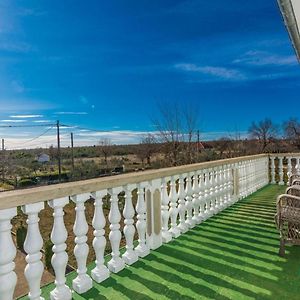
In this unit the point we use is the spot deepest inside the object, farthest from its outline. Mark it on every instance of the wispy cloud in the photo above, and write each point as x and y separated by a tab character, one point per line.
217	72
13	121
24	12
42	121
71	113
17	47
262	58
26	116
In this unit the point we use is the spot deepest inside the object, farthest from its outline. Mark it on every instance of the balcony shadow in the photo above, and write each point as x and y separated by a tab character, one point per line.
96	292
155	286
227	256
241	229
193	285
231	235
250	229
217	281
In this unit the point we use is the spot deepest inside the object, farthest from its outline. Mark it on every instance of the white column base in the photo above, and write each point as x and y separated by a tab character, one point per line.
281	183
82	283
64	293
116	265
100	274
195	220
130	257
166	237
183	228
190	223
175	232
142	251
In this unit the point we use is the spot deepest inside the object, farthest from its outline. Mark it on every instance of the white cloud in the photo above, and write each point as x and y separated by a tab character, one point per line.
42	121
71	113
262	58
13	121
26	116
217	72
83	138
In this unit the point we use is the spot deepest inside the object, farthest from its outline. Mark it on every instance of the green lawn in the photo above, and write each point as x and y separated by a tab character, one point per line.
231	256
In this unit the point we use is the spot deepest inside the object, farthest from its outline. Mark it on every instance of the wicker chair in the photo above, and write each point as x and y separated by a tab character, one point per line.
296	182
293	190
293	177
287	219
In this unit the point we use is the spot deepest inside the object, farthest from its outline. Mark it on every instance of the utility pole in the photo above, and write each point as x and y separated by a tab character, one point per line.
58	151
72	150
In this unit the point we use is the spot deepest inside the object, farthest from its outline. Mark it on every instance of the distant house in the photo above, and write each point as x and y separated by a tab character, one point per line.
43	158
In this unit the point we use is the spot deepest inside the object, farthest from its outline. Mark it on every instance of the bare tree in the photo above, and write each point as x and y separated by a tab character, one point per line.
176	127
292	131
225	146
264	131
147	148
105	147
190	115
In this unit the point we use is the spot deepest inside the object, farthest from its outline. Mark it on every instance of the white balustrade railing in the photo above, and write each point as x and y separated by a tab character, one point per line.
158	206
283	165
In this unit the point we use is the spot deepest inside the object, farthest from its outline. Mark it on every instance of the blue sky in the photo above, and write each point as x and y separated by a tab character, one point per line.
106	64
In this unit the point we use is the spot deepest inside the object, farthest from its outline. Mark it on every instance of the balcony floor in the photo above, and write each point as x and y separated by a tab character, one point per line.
231	256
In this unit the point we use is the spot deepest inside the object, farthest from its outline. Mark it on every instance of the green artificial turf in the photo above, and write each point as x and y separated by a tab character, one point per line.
234	255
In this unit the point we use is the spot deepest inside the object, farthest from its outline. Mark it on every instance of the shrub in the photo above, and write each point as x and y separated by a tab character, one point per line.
26	182
48	254
20	236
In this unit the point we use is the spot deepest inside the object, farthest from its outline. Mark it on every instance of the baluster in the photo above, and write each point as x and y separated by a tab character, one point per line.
281	182
100	272
142	249
217	191
273	170
212	193
221	188
196	201
182	207
228	185
83	282
206	195
247	178
231	193
116	264
241	183
32	246
59	260
8	278
289	169
189	204
244	180
174	230
201	216
225	187
165	213
297	165
130	256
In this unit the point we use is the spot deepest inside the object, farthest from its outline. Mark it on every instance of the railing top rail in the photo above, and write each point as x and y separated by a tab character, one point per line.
285	154
44	193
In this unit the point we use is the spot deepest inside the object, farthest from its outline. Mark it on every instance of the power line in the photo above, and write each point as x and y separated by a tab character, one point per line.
32	139
35	138
27	126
